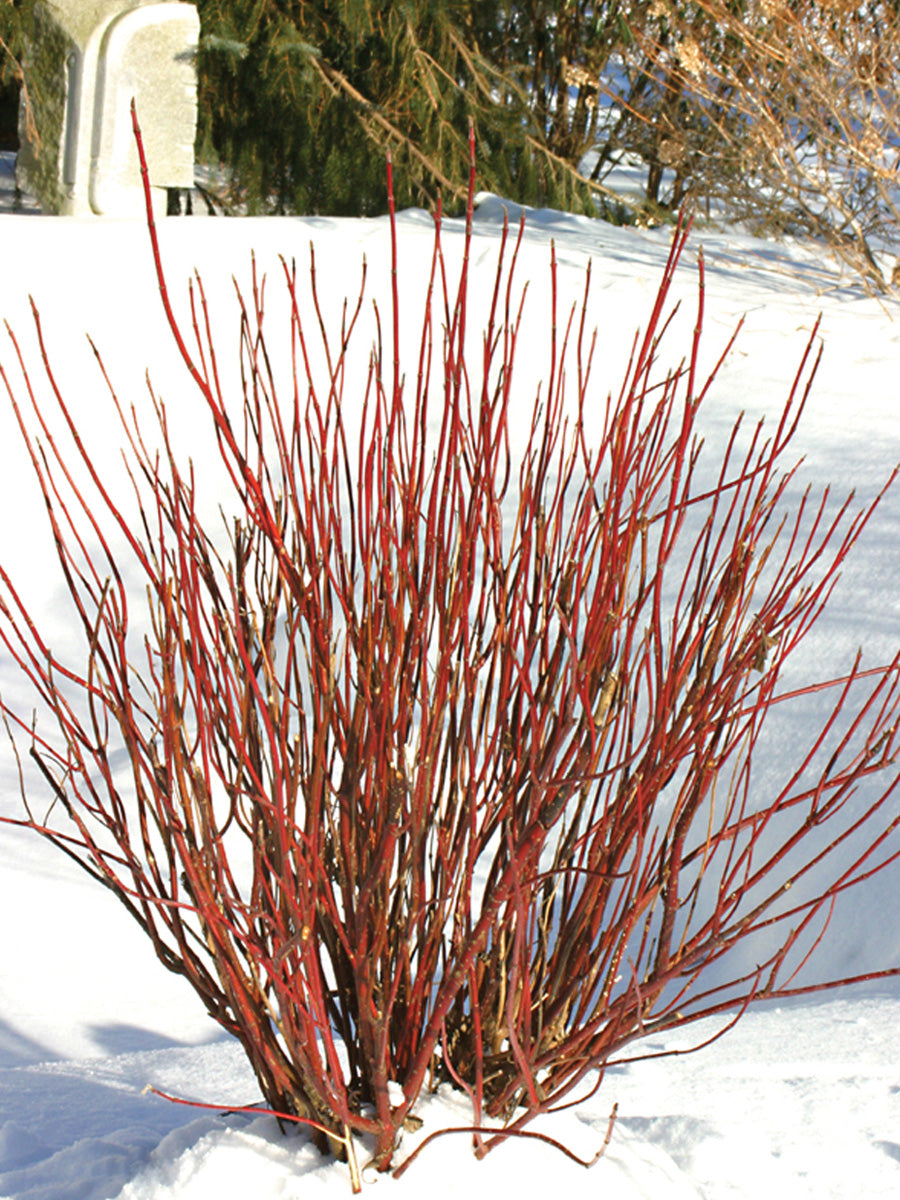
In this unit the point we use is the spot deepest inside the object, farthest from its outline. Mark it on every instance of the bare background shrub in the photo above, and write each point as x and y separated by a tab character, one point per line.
784	118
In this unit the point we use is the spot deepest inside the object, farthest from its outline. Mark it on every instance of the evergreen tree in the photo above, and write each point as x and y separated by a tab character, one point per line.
301	99
15	17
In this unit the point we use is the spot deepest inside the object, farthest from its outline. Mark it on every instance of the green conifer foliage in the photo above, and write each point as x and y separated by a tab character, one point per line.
300	100
15	18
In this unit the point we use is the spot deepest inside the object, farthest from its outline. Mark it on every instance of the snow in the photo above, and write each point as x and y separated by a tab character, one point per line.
801	1100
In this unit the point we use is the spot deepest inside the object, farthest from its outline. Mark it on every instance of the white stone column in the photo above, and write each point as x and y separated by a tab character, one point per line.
103	53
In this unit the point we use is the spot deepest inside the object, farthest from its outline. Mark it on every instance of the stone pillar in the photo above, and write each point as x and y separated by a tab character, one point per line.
89	58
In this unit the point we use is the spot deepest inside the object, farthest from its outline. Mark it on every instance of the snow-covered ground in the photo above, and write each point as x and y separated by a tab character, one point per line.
797	1101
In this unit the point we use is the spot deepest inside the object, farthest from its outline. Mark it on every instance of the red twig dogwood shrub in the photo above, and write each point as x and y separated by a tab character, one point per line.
441	756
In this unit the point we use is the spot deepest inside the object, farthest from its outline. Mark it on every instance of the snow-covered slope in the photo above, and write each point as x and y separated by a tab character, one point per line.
803	1101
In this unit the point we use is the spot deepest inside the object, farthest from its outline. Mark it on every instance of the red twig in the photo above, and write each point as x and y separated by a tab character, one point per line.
441	756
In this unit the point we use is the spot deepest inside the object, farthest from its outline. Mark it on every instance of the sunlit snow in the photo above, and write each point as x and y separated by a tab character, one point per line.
797	1101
